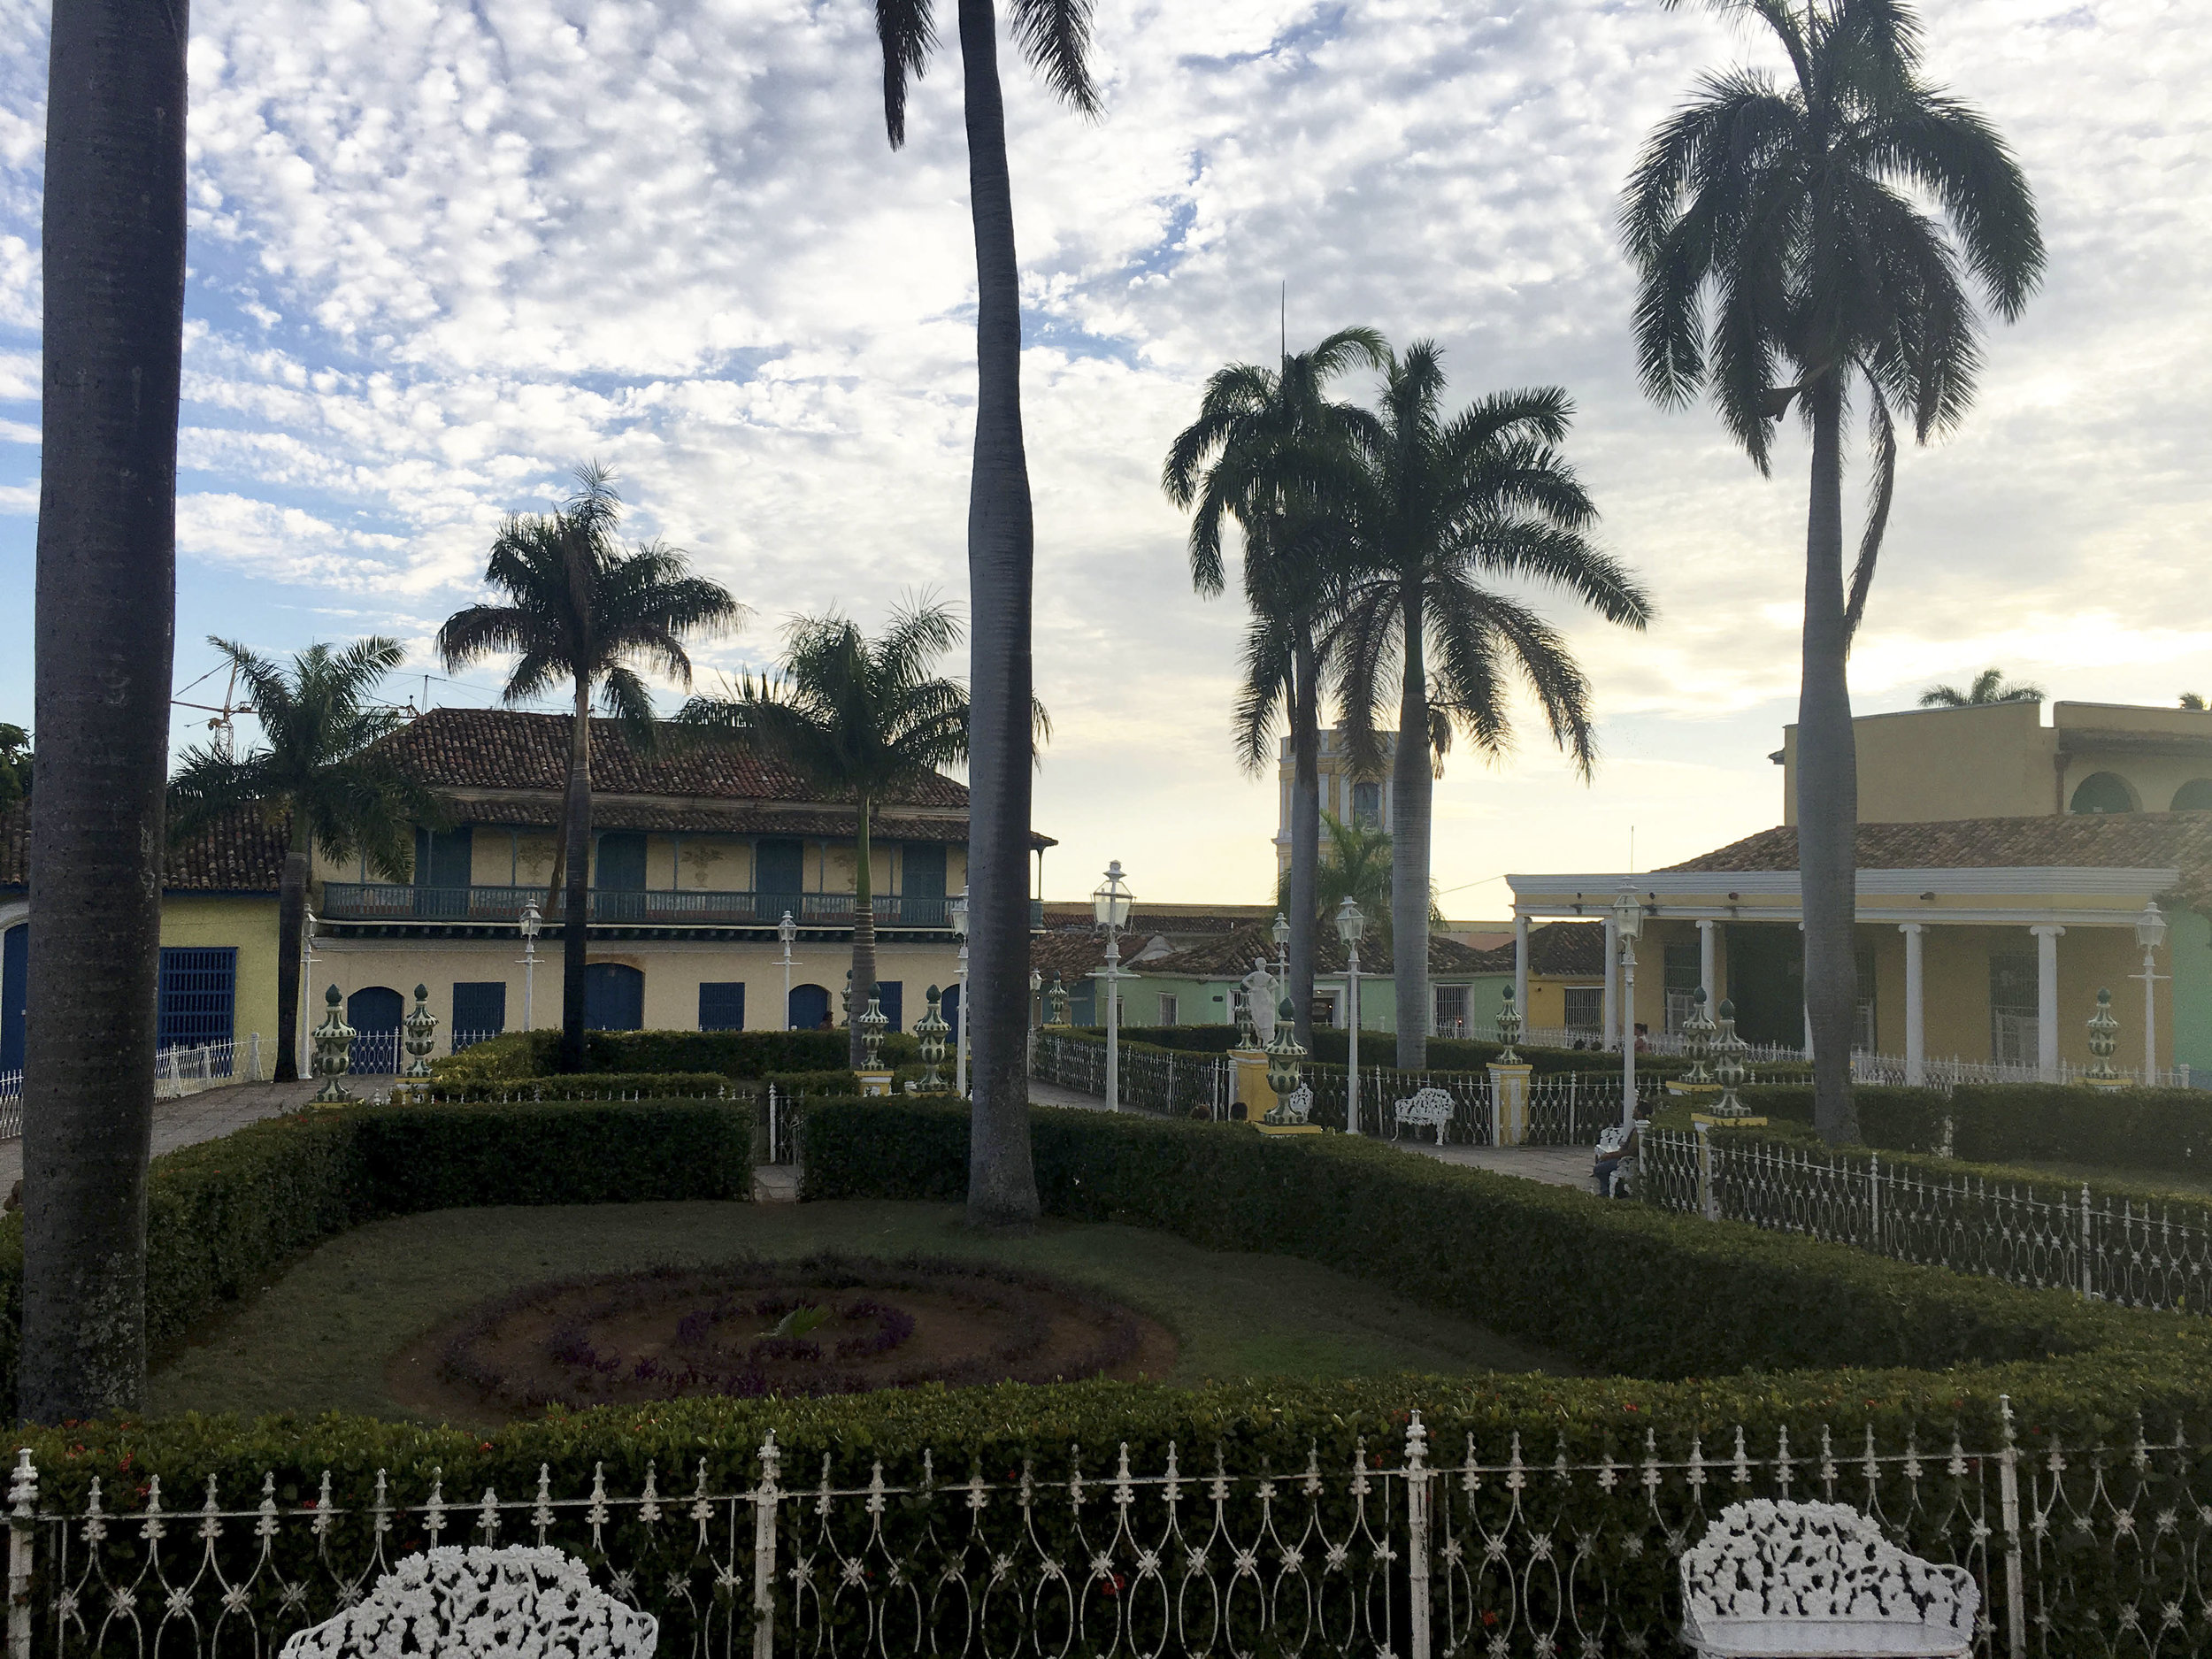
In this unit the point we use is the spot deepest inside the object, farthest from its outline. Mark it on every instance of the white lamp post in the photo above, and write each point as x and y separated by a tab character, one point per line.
308	960
956	910
531	923
1628	923
1280	933
1350	924
1109	904
2150	932
1029	1057
786	930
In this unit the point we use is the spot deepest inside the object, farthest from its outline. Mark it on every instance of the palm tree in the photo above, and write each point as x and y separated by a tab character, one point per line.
1054	35
1268	449
113	331
1989	687
1443	502
1356	865
319	776
859	716
15	764
1796	209
581	609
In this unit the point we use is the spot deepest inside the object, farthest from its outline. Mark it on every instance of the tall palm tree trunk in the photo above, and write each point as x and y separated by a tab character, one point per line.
114	286
291	935
576	910
1305	833
1411	784
1001	1181
1827	784
863	939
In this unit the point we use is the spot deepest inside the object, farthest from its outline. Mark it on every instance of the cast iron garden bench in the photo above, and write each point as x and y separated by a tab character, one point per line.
479	1603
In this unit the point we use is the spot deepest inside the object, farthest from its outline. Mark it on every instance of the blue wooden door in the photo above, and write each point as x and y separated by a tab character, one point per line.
809	1007
614	997
15	984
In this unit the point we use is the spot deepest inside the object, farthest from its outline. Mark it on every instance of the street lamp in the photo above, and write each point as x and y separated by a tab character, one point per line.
1029	1014
1350	924
2150	932
787	930
531	923
1281	934
1109	904
308	960
1628	922
956	910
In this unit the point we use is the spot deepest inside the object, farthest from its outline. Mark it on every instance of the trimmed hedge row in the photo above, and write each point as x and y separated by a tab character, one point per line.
223	1216
600	1085
2134	1129
1446	1054
1603	1282
728	1054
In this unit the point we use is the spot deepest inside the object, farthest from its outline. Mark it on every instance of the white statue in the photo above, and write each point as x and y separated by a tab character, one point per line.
1260	994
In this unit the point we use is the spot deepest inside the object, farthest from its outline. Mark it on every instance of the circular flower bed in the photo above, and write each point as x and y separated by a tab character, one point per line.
827	1326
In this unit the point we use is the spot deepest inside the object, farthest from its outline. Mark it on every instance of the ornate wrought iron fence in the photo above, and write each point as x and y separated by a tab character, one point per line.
2131	1251
1401	1549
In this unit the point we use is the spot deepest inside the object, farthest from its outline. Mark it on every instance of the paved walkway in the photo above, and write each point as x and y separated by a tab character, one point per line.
196	1117
1557	1166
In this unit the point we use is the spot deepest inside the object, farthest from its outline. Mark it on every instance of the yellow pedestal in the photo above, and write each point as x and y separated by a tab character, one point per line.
874	1082
1695	1092
1288	1129
1252	1088
1508	1093
1711	1122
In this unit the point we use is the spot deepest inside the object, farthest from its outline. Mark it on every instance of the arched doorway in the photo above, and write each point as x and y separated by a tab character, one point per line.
374	1013
809	1007
949	1011
2194	796
614	997
2103	792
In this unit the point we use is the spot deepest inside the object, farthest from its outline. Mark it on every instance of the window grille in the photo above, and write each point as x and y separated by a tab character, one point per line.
722	1005
199	987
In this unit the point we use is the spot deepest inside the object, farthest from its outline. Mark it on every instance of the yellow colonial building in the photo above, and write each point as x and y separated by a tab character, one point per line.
2005	867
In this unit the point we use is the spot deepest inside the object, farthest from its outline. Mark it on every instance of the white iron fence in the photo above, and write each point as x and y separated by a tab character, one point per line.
2133	1252
1388	1547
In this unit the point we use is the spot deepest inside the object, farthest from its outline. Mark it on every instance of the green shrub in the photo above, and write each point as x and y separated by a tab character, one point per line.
2137	1128
1898	1119
729	1054
1445	1053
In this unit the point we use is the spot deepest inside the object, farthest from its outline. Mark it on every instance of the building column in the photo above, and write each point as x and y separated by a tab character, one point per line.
1609	1022
2047	1000
1915	1009
1520	967
1705	975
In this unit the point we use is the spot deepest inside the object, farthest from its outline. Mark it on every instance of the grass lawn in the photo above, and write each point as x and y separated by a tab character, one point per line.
319	1338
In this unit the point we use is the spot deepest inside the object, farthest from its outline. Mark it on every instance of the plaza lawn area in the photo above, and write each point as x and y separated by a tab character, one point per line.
321	1337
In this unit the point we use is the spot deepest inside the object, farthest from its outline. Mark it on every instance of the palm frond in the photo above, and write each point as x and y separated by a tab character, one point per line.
1054	35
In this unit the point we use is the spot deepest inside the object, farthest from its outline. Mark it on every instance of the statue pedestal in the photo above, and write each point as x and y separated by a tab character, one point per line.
2108	1084
1509	1097
1710	1122
872	1083
1252	1088
1694	1094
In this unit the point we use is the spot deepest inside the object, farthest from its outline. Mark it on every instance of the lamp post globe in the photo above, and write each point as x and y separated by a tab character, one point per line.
1351	926
787	931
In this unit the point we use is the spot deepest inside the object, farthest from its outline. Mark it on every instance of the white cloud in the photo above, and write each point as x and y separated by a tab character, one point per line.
446	250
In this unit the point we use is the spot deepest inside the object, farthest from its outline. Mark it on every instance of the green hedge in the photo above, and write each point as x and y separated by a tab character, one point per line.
2143	1129
1445	1053
1898	1119
729	1054
599	1085
1603	1282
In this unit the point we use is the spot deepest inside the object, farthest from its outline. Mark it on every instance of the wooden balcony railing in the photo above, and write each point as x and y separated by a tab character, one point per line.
380	902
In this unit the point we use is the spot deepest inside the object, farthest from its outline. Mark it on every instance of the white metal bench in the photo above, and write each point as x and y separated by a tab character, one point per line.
1294	1107
477	1603
1819	1581
1429	1107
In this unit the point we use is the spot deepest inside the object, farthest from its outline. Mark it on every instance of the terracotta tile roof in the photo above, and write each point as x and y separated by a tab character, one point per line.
503	749
240	854
1163	918
543	811
2117	841
1564	950
1232	957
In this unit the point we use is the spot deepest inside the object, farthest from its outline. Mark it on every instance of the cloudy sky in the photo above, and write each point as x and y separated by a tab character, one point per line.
442	251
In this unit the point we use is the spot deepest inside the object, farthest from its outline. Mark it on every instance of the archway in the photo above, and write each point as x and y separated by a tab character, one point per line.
2103	792
809	1007
2194	796
15	984
374	1013
614	997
